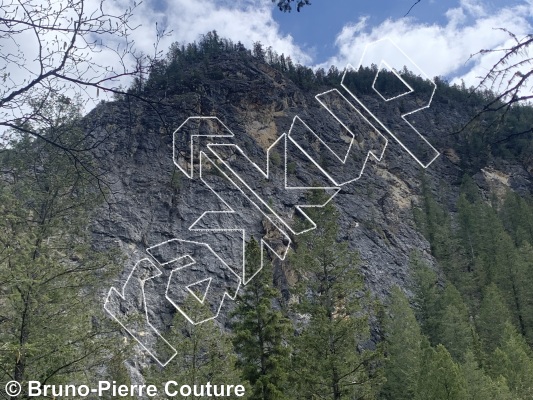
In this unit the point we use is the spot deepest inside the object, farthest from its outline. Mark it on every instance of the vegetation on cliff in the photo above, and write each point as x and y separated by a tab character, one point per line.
463	330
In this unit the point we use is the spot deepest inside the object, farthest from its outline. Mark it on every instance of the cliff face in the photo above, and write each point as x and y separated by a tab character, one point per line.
153	201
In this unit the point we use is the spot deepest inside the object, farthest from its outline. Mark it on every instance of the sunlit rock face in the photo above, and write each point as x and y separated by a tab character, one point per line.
152	200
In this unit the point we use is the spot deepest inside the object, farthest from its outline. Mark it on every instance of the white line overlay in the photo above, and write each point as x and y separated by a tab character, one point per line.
205	148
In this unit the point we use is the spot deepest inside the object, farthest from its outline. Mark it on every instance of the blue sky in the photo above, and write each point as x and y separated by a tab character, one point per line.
439	36
315	27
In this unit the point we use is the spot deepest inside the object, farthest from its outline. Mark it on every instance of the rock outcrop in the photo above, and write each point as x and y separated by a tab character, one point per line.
152	201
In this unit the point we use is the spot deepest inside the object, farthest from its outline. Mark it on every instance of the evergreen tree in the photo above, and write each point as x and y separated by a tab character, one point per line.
432	220
517	217
494	258
493	316
435	224
261	332
512	360
442	313
49	272
524	278
204	354
426	298
471	220
440	378
479	385
403	341
510	273
454	329
329	358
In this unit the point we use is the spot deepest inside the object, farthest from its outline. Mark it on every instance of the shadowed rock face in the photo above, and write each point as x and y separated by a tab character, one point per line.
152	201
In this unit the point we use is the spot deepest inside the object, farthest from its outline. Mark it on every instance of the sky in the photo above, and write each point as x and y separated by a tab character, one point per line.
441	37
432	29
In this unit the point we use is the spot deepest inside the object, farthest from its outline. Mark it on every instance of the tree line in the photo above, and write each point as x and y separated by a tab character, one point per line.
466	333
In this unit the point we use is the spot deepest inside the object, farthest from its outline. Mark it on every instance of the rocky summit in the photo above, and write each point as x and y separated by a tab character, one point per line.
254	112
235	225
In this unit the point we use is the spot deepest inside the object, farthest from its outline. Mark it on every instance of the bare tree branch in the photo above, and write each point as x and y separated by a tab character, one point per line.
52	46
510	80
412	6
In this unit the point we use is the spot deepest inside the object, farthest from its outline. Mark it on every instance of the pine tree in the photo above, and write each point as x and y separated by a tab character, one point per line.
435	224
51	329
433	221
403	341
204	354
510	273
442	313
427	292
479	385
492	318
494	257
513	360
261	333
524	272
471	221
454	329
441	378
329	360
517	217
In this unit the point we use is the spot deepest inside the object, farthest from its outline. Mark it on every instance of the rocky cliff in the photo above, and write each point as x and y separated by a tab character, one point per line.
152	201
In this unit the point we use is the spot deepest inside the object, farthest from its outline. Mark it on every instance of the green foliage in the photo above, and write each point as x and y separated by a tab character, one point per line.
291	167
275	158
484	251
415	370
261	333
493	316
454	330
436	225
443	315
204	354
329	360
427	292
176	180
403	346
479	385
512	360
49	272
441	377
186	67
517	217
488	332
494	258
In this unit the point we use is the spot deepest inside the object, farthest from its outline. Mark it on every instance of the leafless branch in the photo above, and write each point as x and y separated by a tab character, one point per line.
412	6
510	80
52	46
57	47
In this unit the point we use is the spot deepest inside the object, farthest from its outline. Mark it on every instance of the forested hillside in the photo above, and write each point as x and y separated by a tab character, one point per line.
414	283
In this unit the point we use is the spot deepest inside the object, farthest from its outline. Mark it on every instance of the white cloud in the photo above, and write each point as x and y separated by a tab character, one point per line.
441	50
247	21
